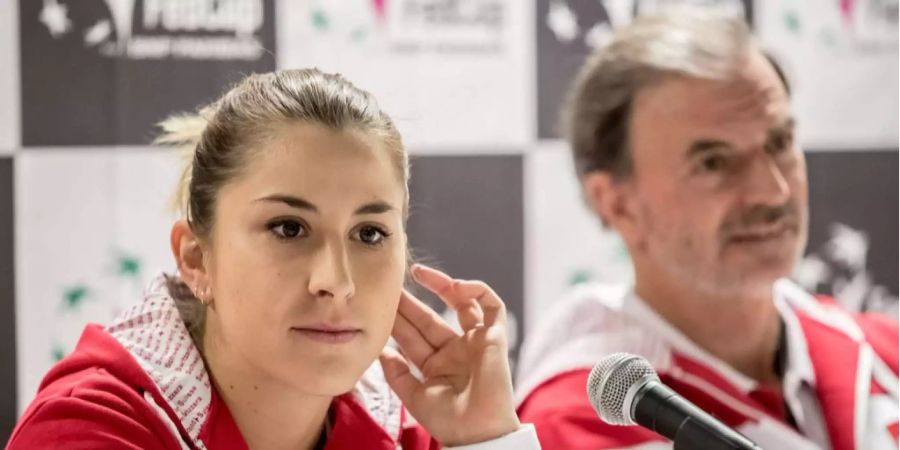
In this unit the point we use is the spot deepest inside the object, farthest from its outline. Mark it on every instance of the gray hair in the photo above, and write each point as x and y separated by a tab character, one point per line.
680	42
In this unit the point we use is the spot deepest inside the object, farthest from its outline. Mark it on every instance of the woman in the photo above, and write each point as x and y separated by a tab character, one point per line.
291	262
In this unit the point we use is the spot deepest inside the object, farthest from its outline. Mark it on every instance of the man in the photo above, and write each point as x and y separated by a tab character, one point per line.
683	141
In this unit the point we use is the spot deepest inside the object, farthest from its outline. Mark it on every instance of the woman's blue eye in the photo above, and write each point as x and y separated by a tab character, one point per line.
286	229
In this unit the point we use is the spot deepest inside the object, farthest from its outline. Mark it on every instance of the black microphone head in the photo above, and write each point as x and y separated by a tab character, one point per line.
612	384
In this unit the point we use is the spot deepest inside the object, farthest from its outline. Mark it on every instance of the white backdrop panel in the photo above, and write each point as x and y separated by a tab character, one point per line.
842	60
452	78
9	76
92	228
565	243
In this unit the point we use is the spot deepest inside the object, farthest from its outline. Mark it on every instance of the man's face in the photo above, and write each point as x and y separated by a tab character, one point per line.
719	189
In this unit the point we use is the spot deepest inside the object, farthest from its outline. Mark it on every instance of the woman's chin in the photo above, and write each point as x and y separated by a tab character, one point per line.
326	380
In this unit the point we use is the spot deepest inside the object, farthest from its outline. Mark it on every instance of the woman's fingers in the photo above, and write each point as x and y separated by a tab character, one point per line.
399	375
413	344
491	306
470	316
474	301
427	322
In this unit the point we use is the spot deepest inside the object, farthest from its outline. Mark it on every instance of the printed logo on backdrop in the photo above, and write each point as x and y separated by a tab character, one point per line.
103	72
838	268
852	252
615	267
416	26
866	26
113	287
569	30
166	29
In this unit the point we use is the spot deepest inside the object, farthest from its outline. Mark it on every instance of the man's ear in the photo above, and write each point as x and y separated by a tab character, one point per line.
614	201
188	252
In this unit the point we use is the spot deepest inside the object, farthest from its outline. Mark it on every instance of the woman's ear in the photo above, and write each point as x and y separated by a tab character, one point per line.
188	252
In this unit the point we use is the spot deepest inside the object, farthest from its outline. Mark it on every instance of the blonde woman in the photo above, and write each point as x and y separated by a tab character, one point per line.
291	257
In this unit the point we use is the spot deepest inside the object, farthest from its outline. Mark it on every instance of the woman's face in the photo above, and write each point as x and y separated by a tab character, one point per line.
308	258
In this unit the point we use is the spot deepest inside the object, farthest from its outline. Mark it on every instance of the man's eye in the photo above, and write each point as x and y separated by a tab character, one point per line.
712	164
287	229
780	143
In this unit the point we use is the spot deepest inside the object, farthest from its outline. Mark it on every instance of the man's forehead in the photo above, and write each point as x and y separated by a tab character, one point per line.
749	92
742	111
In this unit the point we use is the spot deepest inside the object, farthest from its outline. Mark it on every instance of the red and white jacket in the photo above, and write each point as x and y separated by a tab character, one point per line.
140	383
840	382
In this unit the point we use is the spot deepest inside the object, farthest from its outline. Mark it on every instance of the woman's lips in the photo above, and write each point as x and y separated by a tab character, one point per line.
328	334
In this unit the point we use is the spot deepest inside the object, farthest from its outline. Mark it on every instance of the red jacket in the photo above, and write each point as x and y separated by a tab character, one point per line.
840	384
96	398
140	383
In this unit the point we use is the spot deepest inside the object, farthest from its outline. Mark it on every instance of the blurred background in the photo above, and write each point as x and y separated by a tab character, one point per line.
475	86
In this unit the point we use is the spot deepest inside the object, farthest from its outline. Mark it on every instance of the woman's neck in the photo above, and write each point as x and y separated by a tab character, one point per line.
269	414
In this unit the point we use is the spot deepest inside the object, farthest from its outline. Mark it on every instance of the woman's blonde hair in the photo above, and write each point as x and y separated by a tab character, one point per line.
219	140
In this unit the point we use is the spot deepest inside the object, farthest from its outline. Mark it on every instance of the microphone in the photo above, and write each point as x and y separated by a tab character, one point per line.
625	390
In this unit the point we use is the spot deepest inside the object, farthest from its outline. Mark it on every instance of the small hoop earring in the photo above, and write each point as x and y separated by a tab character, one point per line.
206	298
203	297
